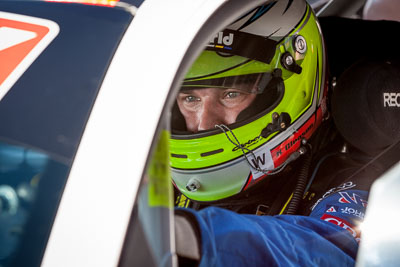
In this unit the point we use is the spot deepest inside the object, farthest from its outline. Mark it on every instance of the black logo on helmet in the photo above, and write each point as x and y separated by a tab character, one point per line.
248	143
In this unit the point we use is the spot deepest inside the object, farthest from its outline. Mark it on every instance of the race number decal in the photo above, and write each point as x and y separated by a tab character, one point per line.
22	40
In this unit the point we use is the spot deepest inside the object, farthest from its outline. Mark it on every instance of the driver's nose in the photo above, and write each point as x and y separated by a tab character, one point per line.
212	113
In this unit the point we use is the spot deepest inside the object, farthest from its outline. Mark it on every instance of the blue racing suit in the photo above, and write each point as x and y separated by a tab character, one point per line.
329	236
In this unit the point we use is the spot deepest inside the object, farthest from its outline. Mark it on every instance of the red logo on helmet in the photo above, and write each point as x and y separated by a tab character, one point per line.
281	152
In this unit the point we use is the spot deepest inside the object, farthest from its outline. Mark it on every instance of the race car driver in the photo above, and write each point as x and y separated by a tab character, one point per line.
249	124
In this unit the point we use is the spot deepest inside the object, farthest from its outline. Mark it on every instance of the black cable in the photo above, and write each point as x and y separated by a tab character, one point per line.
300	185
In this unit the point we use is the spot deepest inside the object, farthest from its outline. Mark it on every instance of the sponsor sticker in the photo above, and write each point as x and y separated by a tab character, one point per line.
263	160
222	41
332	209
346	198
22	40
354	231
352	211
293	143
333	190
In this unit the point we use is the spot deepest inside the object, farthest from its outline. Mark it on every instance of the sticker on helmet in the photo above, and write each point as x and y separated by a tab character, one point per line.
22	40
263	160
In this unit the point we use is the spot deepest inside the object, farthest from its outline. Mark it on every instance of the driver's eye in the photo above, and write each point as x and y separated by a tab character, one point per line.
191	98
232	94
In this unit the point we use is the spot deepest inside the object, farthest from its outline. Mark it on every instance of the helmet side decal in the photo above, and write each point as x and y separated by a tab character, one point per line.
259	12
289	11
290	2
22	40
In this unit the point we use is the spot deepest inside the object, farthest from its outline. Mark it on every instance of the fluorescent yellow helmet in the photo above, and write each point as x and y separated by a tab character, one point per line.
275	51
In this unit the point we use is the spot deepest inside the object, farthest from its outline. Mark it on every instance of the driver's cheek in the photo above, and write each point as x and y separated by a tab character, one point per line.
191	119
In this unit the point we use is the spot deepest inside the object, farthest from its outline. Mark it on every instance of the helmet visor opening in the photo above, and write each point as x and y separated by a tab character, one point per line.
268	87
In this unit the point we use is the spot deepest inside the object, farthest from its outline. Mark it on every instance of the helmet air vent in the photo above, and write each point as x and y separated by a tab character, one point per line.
213	152
179	156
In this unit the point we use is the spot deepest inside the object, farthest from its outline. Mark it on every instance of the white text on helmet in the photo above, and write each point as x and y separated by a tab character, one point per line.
222	40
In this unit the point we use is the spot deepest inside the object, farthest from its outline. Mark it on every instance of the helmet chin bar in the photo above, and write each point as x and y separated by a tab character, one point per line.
280	122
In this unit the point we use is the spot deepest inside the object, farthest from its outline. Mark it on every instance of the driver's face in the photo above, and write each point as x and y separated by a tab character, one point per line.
207	107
